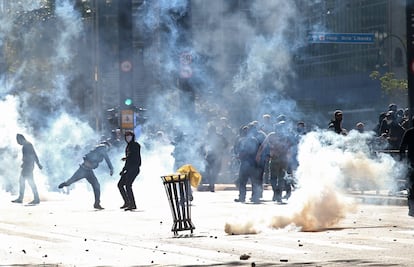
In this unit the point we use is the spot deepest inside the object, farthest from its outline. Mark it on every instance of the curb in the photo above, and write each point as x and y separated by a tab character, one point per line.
366	198
381	200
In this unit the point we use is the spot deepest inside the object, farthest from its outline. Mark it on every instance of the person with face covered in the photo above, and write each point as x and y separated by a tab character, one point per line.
29	158
90	162
130	171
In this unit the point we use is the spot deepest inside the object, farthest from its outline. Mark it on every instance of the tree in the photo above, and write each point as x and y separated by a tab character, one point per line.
389	84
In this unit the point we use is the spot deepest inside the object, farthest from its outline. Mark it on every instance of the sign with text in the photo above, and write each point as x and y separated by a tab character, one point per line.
344	38
127	119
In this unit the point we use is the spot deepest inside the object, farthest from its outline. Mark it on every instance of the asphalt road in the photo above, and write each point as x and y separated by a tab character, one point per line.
64	230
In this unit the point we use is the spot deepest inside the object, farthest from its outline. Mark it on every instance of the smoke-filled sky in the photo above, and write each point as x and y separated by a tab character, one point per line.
241	60
241	63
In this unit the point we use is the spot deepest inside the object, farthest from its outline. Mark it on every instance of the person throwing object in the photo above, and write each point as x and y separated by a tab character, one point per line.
90	162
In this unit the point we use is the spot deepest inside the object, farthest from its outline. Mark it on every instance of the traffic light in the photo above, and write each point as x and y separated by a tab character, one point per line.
128	101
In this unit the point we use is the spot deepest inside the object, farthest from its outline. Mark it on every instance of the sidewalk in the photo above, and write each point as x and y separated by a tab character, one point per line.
367	197
381	198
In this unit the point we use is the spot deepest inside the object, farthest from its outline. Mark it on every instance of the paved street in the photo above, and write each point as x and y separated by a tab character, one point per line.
64	230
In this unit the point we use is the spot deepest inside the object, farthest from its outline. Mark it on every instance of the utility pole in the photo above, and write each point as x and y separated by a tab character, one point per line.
125	52
97	97
410	55
125	56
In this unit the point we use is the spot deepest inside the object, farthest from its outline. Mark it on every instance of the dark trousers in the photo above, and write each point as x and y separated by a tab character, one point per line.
277	178
125	187
27	175
250	171
212	171
410	187
89	175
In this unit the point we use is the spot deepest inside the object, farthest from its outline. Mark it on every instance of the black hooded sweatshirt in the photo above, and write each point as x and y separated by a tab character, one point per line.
133	155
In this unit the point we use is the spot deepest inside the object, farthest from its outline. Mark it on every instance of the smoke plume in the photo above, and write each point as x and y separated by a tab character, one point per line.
329	165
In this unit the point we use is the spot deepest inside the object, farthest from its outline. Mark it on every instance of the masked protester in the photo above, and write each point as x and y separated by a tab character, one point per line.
90	162
130	171
29	158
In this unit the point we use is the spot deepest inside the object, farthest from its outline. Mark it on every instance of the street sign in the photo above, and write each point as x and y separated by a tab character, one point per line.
344	38
127	119
185	58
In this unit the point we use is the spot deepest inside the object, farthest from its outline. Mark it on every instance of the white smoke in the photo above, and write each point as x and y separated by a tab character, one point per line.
329	165
34	94
259	42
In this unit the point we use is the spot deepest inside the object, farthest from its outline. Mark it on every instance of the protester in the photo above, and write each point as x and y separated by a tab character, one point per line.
90	162
336	123
407	143
130	171
29	158
213	149
279	156
246	150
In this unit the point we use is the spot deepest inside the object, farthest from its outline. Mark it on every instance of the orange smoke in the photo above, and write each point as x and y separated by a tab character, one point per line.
317	213
247	228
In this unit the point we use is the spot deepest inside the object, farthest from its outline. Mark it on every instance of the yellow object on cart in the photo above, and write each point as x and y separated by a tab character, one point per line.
192	174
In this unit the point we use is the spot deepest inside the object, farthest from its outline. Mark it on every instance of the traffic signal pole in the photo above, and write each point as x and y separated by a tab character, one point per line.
125	38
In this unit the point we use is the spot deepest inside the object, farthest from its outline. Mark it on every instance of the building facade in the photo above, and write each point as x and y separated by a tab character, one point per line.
329	75
336	74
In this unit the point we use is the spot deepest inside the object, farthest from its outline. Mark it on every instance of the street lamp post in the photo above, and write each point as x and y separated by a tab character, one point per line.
383	36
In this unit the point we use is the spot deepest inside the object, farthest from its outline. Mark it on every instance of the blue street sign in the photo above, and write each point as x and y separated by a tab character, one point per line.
344	38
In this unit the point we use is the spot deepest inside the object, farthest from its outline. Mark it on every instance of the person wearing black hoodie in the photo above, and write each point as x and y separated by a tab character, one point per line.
29	158
130	171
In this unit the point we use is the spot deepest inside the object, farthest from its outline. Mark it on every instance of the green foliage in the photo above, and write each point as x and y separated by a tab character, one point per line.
389	84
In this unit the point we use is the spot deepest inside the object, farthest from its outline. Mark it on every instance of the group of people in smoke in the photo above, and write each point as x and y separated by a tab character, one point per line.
90	162
266	153
389	130
395	132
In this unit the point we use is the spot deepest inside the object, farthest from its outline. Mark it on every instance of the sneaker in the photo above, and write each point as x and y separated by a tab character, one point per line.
98	207
239	200
130	208
62	185
17	201
34	202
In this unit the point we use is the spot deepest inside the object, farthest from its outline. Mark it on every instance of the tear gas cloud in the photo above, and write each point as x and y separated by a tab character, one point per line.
35	97
35	93
259	42
329	164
